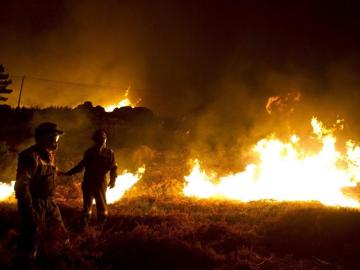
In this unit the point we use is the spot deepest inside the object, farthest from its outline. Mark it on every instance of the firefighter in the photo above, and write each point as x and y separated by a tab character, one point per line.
35	189
98	160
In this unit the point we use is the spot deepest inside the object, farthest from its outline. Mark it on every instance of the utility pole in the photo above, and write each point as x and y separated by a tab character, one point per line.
21	88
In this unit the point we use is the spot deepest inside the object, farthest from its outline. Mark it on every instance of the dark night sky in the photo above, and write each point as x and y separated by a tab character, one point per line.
185	56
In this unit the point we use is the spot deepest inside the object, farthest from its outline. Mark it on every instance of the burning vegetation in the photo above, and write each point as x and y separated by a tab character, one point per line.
123	183
7	191
239	167
287	171
125	102
271	215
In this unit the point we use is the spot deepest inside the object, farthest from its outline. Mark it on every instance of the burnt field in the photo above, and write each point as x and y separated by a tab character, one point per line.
153	233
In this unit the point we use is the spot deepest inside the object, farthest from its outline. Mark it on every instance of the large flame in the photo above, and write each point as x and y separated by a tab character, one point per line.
7	191
286	172
122	103
123	183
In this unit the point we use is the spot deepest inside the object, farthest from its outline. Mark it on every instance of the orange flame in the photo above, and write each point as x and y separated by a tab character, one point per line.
122	103
7	191
286	172
282	104
123	183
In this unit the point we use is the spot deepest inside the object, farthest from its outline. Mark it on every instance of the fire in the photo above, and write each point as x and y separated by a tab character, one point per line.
123	183
122	103
282	104
286	172
6	191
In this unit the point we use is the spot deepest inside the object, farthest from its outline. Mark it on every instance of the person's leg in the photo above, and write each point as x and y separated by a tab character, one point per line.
101	206
56	234
88	197
53	216
29	224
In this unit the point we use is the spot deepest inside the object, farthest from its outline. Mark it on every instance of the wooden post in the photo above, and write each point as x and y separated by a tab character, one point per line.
21	89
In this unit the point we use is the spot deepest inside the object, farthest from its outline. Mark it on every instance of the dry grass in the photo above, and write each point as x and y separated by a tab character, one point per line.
154	227
178	233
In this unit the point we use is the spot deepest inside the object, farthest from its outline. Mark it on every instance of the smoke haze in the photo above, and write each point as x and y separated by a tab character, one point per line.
214	61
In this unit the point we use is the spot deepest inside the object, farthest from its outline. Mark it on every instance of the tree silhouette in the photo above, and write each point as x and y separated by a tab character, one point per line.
4	83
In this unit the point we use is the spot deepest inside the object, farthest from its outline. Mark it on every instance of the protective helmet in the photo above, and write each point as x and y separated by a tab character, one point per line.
47	129
47	135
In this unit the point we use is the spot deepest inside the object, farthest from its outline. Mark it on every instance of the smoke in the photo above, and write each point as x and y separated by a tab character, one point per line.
211	64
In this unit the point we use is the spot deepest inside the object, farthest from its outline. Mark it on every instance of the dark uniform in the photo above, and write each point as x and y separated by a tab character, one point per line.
35	190
97	161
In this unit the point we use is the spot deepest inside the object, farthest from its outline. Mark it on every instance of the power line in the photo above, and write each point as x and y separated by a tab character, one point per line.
67	82
59	82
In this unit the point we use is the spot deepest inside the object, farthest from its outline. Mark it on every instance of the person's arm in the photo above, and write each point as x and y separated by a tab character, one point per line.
78	168
113	170
27	165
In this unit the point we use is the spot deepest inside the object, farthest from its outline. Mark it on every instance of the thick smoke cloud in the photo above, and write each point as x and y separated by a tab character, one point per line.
211	63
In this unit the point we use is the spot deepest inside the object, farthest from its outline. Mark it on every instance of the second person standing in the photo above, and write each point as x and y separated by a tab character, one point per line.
98	160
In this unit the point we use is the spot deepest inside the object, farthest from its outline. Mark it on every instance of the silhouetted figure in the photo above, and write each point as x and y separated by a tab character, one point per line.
35	188
97	161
